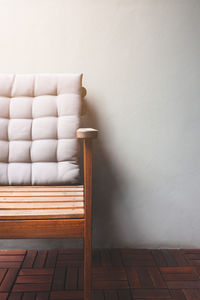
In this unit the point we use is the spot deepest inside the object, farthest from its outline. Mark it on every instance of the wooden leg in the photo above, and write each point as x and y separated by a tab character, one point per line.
88	220
87	266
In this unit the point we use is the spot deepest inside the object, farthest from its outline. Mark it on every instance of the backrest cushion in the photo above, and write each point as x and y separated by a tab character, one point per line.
39	116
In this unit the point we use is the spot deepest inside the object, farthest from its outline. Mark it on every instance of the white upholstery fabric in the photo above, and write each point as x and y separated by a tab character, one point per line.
39	116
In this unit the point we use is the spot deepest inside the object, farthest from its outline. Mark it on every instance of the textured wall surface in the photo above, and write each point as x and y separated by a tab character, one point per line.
140	60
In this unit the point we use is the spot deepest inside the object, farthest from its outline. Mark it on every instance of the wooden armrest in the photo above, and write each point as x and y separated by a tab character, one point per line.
86	133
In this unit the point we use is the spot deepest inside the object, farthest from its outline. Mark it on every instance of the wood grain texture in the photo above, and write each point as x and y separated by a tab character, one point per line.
87	154
41	228
35	277
64	202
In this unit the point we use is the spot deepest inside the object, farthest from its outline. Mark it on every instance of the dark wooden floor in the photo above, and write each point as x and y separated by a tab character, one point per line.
117	275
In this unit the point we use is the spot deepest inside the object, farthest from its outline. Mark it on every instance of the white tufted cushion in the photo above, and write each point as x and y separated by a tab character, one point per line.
39	116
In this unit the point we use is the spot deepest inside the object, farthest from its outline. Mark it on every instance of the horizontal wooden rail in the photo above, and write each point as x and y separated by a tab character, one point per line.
54	228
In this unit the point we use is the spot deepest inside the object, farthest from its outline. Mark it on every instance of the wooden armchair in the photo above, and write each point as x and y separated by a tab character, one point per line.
40	192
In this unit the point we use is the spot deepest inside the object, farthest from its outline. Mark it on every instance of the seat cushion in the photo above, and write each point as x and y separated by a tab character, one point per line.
39	116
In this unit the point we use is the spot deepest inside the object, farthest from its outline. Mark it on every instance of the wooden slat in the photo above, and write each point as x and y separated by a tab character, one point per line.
37	287
67	295
40	205
42	214
41	228
151	293
38	271
39	194
71	280
15	296
40	199
40	259
40	188
8	280
29	259
51	258
59	279
41	202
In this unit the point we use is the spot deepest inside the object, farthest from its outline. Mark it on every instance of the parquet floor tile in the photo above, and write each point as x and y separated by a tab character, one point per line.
118	274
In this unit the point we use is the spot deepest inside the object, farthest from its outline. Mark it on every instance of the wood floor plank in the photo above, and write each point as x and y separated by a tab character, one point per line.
175	270
29	259
144	277
2	274
10	264
34	279
15	296
110	284
71	281
98	295
29	296
66	295
111	295
105	257
40	259
136	259
42	296
28	272
116	259
156	278
151	293
107	273
59	279
179	257
133	277
159	258
31	287
80	278
177	294
12	252
124	295
8	280
169	258
96	258
191	294
193	284
180	276
53	274
3	296
51	258
11	258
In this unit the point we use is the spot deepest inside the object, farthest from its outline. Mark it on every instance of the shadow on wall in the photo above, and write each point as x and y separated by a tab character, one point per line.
107	188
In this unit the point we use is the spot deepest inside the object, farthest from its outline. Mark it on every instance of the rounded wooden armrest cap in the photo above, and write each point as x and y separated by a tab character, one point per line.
83	91
86	133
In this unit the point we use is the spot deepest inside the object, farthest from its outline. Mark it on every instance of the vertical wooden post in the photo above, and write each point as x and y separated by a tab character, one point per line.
87	145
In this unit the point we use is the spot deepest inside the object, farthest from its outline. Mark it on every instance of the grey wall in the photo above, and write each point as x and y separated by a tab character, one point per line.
140	60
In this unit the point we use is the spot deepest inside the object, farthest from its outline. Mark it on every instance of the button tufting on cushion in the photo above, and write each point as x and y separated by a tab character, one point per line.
39	116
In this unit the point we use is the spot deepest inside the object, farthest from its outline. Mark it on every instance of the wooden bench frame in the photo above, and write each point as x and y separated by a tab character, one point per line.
44	227
87	135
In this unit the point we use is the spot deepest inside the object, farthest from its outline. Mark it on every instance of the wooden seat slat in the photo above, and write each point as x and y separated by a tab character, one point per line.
57	205
42	214
40	199
39	194
41	202
41	188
